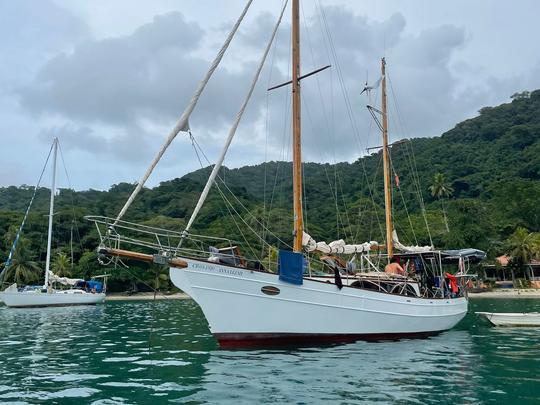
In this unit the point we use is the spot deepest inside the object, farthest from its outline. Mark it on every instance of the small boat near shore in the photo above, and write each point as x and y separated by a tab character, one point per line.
512	319
79	291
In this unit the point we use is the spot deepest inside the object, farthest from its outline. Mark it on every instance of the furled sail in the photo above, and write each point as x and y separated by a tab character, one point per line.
53	278
337	246
232	131
409	249
183	122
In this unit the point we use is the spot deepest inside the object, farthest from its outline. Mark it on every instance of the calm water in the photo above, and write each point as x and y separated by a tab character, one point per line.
144	352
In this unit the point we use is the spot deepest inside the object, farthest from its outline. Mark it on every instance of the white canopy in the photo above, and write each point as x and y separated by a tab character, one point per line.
337	246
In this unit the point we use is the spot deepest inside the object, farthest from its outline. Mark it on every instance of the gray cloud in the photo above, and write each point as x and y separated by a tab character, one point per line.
31	31
120	96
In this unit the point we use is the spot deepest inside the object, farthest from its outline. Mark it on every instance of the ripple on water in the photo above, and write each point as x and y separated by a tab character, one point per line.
120	359
77	377
94	355
162	363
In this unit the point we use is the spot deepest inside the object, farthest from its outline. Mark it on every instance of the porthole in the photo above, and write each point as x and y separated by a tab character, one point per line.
270	290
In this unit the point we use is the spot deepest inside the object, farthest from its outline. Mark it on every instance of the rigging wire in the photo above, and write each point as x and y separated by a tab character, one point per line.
73	221
227	203
8	262
183	122
404	203
237	200
414	168
266	217
333	190
348	104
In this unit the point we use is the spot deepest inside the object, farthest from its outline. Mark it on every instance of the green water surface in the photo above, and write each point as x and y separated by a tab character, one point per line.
144	352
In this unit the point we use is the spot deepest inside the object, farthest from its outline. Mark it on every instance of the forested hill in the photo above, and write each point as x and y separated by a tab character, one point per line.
491	174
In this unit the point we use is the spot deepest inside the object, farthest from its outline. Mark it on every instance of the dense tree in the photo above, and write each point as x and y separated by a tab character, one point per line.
492	160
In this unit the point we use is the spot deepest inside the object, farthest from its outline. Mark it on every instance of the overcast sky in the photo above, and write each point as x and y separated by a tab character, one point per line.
110	78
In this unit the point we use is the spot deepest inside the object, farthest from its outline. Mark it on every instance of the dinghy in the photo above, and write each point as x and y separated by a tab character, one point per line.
512	318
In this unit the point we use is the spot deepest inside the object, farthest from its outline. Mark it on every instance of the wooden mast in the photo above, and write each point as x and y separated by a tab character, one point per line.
297	156
386	162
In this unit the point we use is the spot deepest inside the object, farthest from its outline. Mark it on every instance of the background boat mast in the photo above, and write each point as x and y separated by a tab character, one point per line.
386	162
51	214
297	156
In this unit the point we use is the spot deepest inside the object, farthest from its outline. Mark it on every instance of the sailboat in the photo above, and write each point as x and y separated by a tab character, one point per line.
80	292
248	305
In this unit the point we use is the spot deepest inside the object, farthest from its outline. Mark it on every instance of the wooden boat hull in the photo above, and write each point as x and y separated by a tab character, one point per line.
246	308
512	319
29	299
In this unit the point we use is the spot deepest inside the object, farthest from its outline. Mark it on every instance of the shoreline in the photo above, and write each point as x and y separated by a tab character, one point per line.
507	293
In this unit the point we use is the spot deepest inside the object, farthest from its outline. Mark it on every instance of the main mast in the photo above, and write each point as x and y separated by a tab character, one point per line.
386	163
297	155
51	214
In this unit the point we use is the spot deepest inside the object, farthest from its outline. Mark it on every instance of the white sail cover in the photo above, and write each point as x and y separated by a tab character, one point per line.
409	249
53	278
337	246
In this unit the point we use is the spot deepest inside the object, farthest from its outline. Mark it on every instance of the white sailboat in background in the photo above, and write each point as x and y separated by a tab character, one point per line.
246	305
45	296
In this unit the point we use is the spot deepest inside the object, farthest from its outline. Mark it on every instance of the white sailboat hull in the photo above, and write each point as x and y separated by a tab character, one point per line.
512	319
57	298
241	314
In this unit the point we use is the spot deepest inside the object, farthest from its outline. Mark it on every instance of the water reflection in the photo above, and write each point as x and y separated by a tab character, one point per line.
416	371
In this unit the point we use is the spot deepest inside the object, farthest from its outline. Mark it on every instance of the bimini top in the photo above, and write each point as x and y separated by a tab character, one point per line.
472	255
449	256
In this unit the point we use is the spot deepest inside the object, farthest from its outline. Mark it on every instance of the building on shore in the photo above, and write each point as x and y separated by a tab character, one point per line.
503	274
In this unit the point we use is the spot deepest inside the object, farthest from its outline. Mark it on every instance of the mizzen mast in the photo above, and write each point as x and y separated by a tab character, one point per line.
386	164
297	155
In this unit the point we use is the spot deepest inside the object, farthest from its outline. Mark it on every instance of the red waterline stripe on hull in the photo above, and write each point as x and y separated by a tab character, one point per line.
246	340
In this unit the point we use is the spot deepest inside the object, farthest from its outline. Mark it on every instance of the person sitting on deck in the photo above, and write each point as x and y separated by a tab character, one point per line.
394	268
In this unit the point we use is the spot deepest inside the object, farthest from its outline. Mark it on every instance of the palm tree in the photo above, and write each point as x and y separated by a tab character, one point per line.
61	265
23	270
523	246
440	189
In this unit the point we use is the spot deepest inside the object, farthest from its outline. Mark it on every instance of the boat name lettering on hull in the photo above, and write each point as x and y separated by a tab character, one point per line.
210	267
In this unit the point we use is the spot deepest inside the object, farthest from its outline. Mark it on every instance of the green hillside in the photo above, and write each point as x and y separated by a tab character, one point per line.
492	163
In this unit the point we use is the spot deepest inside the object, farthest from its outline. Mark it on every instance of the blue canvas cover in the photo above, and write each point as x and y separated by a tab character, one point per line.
95	284
291	267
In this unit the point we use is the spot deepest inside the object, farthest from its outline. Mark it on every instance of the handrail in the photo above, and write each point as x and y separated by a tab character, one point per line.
163	242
